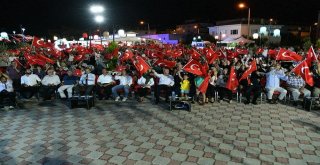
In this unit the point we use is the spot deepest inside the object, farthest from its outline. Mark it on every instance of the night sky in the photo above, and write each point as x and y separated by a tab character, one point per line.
37	16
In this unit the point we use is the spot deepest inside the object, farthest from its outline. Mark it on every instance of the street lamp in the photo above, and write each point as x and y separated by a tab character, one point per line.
96	9
196	27
242	6
142	23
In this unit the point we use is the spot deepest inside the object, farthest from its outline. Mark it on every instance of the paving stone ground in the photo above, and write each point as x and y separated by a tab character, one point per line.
132	133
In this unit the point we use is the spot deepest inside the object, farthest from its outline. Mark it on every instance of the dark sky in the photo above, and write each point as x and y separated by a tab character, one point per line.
37	16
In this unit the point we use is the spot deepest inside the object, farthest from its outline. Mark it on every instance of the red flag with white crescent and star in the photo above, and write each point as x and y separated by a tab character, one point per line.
37	42
304	71
232	83
127	55
252	68
287	55
141	66
194	67
311	56
165	63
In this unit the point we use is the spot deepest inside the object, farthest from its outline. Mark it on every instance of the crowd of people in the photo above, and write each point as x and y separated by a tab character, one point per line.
250	73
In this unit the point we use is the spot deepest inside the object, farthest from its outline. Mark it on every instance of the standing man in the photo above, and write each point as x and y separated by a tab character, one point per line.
105	84
166	82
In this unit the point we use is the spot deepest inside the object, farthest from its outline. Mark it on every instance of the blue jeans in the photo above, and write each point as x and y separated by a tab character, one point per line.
118	87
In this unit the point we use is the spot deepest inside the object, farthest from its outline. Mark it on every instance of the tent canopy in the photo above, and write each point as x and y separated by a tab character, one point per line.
237	40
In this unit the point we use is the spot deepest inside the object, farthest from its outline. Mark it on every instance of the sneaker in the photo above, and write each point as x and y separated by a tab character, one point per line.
230	101
254	103
220	101
11	107
124	99
117	98
247	102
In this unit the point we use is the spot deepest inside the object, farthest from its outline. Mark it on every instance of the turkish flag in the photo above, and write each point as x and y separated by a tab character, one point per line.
204	86
77	72
195	54
311	56
42	57
176	53
127	55
141	65
165	63
120	68
252	68
232	82
56	53
38	42
221	54
79	57
304	71
272	53
194	67
241	51
287	55
211	55
259	51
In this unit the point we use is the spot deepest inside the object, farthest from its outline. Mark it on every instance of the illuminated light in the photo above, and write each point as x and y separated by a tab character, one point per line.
141	22
99	18
194	38
41	39
49	41
216	37
4	35
276	33
263	30
242	5
55	38
255	36
195	26
95	37
96	9
121	33
316	24
223	35
199	37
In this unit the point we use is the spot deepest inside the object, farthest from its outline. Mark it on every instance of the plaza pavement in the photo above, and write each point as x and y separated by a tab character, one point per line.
130	133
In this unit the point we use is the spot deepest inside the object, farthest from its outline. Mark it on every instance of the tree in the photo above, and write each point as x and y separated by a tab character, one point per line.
307	43
318	44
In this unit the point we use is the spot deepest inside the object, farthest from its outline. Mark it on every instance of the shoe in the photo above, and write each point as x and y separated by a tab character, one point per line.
117	98
124	99
230	101
254	103
247	102
295	103
212	100
220	101
270	101
11	107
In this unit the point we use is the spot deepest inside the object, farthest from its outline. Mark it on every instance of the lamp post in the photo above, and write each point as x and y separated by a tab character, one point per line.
142	23
197	27
242	6
97	10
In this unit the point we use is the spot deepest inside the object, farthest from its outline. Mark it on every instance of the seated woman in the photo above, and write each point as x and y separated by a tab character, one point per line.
144	84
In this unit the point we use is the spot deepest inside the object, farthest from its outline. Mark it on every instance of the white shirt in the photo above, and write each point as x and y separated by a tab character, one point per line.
165	80
53	79
30	80
213	80
105	79
124	80
142	81
91	79
6	86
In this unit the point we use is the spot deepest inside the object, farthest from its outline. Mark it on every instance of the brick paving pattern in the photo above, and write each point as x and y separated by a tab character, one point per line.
131	133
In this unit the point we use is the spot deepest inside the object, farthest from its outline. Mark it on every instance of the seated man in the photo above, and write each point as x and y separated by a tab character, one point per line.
105	84
87	82
144	84
68	83
296	87
273	83
29	84
50	83
166	82
125	83
6	91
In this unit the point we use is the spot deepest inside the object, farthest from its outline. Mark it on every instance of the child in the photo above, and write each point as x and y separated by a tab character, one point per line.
185	85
